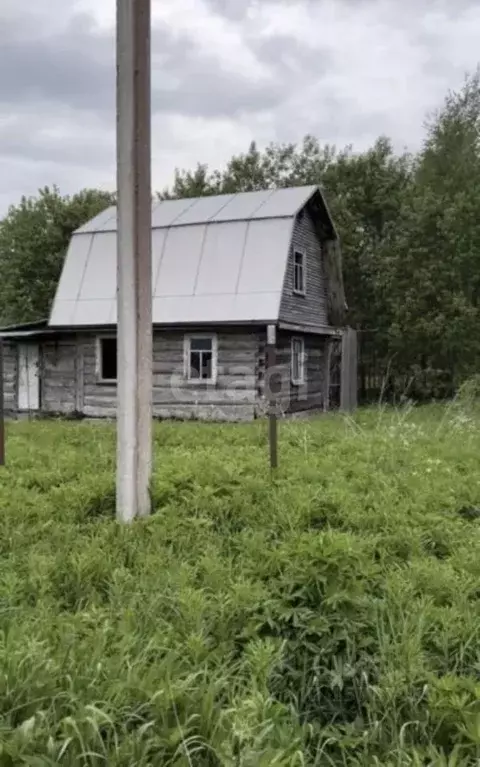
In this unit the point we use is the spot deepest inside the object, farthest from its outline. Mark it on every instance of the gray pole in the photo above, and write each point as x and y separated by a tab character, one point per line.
134	275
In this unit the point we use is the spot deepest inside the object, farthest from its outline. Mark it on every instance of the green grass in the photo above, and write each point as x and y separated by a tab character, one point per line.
327	617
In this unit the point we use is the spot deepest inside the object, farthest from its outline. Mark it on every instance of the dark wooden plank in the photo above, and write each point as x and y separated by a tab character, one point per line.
348	390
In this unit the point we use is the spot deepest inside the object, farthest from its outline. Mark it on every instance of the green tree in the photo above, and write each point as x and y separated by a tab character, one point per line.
279	165
196	183
366	192
34	237
435	254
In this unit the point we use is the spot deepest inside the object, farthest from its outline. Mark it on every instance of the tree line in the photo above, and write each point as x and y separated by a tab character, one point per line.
409	226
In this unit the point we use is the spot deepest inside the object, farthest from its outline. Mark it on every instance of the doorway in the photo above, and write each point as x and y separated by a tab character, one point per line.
28	377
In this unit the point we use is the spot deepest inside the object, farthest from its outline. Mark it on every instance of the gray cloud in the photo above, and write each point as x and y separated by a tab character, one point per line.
19	142
231	9
71	67
75	67
293	60
190	81
224	72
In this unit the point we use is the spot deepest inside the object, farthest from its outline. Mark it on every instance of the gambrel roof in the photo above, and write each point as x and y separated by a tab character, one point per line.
218	259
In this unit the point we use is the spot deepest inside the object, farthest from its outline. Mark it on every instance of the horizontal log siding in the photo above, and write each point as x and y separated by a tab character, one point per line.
312	308
59	375
10	367
311	396
69	378
291	398
279	380
231	398
99	399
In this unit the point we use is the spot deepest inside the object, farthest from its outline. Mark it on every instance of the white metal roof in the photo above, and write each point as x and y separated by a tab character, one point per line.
214	259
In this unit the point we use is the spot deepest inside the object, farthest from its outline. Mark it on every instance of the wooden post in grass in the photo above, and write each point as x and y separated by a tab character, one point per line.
271	361
2	409
349	372
134	270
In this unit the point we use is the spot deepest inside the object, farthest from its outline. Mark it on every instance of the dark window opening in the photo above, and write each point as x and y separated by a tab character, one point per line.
298	361
299	272
200	359
108	359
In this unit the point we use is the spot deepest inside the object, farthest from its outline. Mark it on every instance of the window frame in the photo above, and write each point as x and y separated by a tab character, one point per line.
187	339
303	253
98	358
301	380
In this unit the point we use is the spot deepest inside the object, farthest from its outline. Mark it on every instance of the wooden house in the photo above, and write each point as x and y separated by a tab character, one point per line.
223	269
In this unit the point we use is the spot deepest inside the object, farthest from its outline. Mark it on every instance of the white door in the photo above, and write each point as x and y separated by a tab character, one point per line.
28	377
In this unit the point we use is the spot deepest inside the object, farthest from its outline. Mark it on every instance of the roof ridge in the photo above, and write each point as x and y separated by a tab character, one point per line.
279	202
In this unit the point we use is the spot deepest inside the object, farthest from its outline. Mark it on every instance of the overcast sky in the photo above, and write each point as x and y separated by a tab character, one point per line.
224	72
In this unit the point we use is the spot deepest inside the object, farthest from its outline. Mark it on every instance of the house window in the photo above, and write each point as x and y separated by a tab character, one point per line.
107	359
299	283
201	358
298	361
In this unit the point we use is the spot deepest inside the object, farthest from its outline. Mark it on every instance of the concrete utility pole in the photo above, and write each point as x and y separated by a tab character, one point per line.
134	270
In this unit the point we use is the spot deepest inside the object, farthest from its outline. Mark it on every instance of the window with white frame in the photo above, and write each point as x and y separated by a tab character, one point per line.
201	358
299	268
298	361
107	359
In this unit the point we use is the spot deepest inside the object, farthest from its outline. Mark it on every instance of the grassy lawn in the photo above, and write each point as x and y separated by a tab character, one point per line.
328	617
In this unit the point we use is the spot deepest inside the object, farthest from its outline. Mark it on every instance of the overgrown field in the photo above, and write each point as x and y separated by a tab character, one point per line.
329	616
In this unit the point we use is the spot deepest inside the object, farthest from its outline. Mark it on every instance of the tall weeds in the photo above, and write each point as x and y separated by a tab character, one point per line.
328	617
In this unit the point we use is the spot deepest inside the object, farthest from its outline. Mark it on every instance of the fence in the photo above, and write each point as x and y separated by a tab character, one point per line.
344	371
383	377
